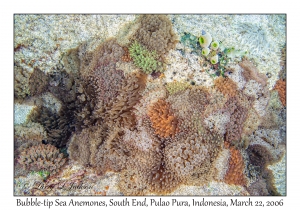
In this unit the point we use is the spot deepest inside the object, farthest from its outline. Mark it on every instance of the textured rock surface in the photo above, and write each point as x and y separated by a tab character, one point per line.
41	40
279	172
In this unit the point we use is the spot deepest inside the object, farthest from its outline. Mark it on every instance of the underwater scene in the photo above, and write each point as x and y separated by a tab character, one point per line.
157	104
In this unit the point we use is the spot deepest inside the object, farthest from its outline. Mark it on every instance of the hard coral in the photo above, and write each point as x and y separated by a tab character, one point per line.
281	88
42	157
163	120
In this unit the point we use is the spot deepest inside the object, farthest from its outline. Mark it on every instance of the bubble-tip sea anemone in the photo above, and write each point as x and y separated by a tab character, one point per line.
205	39
205	51
214	59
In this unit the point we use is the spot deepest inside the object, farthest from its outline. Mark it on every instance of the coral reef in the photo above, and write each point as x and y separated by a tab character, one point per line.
190	104
217	121
258	188
251	123
56	126
142	113
29	83
184	67
235	73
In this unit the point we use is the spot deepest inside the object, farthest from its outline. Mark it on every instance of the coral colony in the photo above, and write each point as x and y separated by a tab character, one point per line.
158	135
